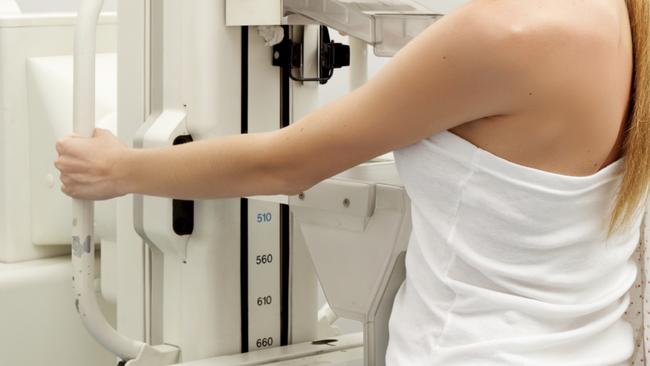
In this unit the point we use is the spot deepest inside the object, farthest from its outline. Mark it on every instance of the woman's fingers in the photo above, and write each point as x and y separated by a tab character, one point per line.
66	180
84	186
68	165
100	132
61	145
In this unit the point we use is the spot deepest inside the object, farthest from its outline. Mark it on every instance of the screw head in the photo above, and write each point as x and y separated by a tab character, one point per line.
301	196
276	55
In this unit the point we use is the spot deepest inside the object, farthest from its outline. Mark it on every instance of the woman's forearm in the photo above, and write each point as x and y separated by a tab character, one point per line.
232	166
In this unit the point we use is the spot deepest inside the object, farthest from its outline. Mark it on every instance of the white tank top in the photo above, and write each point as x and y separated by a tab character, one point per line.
509	265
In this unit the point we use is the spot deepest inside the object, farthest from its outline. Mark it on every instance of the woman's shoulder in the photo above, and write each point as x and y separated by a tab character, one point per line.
533	39
538	23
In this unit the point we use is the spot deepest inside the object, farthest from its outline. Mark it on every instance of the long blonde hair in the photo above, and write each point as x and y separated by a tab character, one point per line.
636	145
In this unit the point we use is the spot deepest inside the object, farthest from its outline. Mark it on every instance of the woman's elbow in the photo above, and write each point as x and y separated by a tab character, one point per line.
294	184
288	174
282	179
292	178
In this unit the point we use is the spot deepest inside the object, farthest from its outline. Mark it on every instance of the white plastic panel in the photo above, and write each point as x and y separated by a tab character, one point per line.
39	323
264	222
154	218
55	6
22	37
343	351
257	12
131	83
386	24
362	259
9	7
392	31
189	70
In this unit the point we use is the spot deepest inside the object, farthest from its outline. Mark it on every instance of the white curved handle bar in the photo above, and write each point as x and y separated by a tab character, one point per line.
83	248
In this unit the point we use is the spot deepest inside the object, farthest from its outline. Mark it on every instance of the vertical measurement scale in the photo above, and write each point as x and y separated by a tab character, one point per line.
264	302
263	287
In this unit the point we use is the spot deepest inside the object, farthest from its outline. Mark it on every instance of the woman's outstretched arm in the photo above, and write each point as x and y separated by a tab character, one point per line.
470	65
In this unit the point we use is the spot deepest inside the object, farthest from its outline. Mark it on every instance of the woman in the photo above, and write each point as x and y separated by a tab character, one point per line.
521	131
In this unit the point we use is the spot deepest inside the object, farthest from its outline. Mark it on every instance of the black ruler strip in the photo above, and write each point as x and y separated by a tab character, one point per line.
285	247
243	259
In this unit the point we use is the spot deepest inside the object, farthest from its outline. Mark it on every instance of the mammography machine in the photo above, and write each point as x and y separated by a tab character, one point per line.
213	282
235	282
196	283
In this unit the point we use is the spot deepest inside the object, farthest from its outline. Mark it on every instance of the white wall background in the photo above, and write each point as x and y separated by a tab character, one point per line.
48	6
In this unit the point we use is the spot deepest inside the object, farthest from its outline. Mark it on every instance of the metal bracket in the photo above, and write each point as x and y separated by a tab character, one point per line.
289	55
